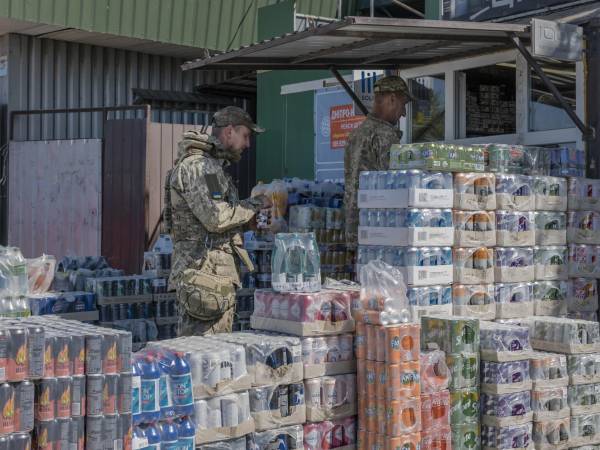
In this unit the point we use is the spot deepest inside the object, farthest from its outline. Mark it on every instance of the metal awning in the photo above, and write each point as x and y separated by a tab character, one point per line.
367	42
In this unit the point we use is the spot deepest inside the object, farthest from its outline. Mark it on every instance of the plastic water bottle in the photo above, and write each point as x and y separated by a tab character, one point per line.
168	435
165	394
181	385
153	437
139	439
150	389
187	434
14	270
136	386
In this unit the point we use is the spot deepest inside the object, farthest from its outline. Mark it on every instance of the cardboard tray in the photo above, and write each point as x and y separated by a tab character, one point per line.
473	202
434	310
506	421
412	236
515	203
465	275
551	237
540	416
224	433
405	198
507	388
268	420
561	446
514	310
304	329
543	272
223	388
329	368
568	348
483	312
514	274
550	308
587	440
549	384
264	375
587	409
515	239
337	412
504	356
582	379
551	202
474	238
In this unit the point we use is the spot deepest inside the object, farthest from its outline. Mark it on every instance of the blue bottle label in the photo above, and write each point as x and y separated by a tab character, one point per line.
182	389
135	395
173	445
187	443
149	395
165	394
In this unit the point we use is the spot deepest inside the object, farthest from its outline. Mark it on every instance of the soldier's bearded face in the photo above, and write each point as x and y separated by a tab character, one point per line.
236	140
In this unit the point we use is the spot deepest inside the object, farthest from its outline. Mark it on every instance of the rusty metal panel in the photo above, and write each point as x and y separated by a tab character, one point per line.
55	192
124	177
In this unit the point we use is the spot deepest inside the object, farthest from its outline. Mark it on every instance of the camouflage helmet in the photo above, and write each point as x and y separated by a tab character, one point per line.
392	83
232	115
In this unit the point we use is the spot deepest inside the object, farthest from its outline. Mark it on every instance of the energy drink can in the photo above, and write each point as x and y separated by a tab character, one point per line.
109	393
24	406
283	400
94	438
63	397
78	395
296	393
109	431
126	426
62	366
63	432
4	341
45	435
36	343
19	441
94	390
77	354
77	434
124	349
5	442
49	355
18	355
45	399
7	409
93	353
109	354
125	389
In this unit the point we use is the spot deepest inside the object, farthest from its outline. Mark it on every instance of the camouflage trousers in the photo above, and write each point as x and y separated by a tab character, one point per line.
190	326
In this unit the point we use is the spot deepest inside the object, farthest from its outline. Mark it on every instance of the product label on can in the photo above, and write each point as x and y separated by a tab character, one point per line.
182	389
149	389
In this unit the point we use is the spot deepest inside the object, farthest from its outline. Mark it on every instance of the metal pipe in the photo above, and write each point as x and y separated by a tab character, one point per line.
372	9
349	91
410	9
589	133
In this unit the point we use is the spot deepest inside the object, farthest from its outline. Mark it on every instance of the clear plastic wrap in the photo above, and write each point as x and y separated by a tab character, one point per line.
435	374
584	398
550	228
475	191
331	355
295	263
585	429
567	162
278	405
303	314
550	193
40	274
565	335
513	300
550	298
505	377
292	438
551	263
583	227
476	300
473	265
433	439
548	370
329	435
230	444
509	437
119	286
583	296
504	158
550	403
515	192
435	410
437	156
514	264
584	194
464	406
383	294
475	228
223	418
582	261
503	342
552	434
515	228
13	271
464	370
429	295
452	334
329	398
466	436
403	417
506	409
584	369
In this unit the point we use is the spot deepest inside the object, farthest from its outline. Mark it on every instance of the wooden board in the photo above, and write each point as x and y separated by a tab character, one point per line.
55	192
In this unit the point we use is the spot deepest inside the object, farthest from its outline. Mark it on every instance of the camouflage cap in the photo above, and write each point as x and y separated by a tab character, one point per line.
392	83
232	115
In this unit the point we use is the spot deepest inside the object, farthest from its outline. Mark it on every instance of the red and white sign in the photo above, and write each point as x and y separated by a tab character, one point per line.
342	121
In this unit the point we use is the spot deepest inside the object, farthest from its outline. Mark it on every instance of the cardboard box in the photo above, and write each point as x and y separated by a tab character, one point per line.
224	433
266	420
305	329
413	236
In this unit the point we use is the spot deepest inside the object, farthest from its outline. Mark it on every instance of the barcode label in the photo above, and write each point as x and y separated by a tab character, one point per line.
363	197
422	196
364	234
76	409
422	236
422	275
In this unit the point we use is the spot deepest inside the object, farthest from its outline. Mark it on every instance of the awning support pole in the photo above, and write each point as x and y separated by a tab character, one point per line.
349	90
588	132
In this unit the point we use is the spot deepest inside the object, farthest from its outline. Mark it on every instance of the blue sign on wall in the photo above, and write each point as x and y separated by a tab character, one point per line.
481	10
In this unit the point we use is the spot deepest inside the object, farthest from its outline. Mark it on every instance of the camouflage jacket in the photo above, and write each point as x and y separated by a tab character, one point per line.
205	211
368	149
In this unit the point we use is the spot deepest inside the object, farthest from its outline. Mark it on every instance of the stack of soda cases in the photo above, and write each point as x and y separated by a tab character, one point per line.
55	361
163	402
458	337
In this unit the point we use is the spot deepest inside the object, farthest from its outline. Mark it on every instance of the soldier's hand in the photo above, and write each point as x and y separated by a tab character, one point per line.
265	201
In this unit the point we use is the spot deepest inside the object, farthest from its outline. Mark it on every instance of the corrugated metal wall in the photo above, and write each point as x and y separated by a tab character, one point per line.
213	24
45	73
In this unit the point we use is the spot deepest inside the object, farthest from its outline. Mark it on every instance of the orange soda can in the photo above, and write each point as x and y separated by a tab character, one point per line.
361	439
426	416
380	349
406	442
371	378
403	380
380	441
440	409
360	341
402	343
371	414
371	342
403	417
371	440
361	376
381	380
381	422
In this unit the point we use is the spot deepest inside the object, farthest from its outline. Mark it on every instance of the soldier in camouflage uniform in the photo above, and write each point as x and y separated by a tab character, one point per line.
369	145
205	217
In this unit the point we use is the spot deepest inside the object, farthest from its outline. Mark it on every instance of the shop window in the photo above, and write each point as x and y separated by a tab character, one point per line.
427	111
545	113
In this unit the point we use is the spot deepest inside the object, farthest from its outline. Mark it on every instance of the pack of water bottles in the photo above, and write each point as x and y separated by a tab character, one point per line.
126	286
582	261
550	403
515	228
517	159
512	436
503	342
505	377
304	314
551	193
514	300
427	300
405	189
475	300
331	355
295	263
473	265
585	430
567	162
550	228
474	228
474	191
548	370
285	438
550	298
562	335
405	227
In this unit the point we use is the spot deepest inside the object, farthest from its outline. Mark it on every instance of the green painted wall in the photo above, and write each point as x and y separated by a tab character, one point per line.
432	9
213	24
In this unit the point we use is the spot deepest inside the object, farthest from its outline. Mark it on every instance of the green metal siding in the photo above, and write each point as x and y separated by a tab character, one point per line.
199	23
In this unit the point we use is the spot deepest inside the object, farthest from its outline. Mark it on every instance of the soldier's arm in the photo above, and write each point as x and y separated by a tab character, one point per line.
380	151
207	204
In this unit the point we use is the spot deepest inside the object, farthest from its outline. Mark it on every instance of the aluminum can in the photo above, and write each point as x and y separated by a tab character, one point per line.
78	397
63	397
77	434
109	393
125	389
94	391
45	435
62	366
109	354
4	341
24	406
7	409
63	432
49	355
124	349
18	355
109	431
94	437
19	441
45	399
126	427
77	354
93	353
36	343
